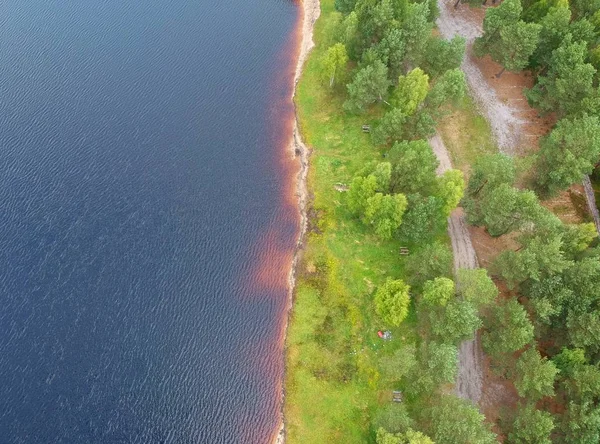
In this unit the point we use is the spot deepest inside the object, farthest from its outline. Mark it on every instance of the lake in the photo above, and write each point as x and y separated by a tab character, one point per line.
148	219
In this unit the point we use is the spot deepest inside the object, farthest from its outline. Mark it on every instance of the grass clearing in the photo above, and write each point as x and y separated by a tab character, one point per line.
466	134
333	381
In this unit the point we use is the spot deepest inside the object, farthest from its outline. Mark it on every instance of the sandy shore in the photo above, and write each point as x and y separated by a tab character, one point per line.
311	9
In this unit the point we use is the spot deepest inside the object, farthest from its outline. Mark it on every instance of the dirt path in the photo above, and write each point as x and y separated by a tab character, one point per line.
470	374
504	119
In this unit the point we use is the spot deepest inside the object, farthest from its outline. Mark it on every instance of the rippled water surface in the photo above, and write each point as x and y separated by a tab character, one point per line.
145	230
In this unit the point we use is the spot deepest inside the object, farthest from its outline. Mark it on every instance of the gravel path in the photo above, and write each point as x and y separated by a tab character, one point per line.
470	375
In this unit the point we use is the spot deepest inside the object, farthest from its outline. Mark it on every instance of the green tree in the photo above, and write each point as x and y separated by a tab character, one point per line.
390	128
534	375
334	61
569	360
413	166
581	423
431	261
489	172
392	49
384	213
541	258
450	87
453	420
506	330
411	91
497	19
416	29
361	189
345	6
568	153
451	188
475	285
568	82
425	215
391	301
516	44
383	175
585	8
370	85
442	362
505	209
457	322
443	55
410	437
555	26
438	292
531	426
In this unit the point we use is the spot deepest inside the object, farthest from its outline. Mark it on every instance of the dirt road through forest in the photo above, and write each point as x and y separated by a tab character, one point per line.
470	375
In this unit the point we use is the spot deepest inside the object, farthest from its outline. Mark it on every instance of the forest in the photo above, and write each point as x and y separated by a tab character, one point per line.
379	84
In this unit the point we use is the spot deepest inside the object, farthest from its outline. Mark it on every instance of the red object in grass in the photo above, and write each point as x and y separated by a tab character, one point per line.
380	334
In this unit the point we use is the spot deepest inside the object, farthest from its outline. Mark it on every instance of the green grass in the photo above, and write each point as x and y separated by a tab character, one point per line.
466	134
333	384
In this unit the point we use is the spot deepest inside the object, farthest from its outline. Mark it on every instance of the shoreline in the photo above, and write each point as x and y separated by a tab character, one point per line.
309	14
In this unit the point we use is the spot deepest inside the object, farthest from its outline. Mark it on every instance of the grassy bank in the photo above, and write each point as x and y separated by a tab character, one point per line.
335	385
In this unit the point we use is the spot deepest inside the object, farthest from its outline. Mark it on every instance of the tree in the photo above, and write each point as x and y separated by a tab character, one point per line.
506	330
534	375
442	362
429	262
392	49
453	420
475	285
410	437
568	153
383	175
505	209
516	44
581	423
539	259
370	85
585	8
496	19
569	360
395	367
361	189
425	215
411	91
555	26
390	128
451	187
578	237
489	172
457	322
568	82
416	30
385	213
450	87
413	166
345	6
391	301
443	55
438	292
334	61
531	426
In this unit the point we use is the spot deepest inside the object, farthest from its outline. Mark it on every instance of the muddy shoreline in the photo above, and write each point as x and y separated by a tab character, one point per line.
311	9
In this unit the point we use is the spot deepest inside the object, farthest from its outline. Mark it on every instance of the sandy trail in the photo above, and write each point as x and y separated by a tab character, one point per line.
470	372
311	9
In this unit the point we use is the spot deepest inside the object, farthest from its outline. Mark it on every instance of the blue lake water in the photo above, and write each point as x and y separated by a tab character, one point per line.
141	188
